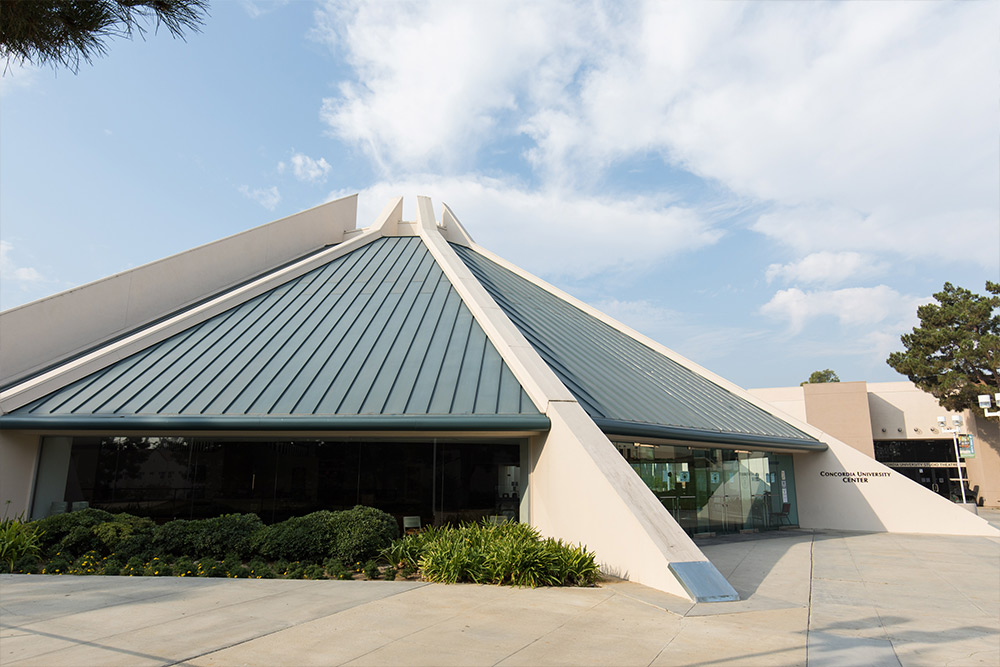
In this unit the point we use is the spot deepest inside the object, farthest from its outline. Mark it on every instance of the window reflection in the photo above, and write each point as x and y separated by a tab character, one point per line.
717	490
177	477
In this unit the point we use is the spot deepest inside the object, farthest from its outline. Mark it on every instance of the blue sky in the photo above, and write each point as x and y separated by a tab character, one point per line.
766	188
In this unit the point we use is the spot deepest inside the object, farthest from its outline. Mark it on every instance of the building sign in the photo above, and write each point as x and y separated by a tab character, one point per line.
965	447
857	477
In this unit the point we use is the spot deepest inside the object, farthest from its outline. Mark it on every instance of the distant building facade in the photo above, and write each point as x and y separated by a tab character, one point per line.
897	424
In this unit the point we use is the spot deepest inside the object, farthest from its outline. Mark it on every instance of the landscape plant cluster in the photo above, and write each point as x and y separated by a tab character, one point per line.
320	545
361	542
484	553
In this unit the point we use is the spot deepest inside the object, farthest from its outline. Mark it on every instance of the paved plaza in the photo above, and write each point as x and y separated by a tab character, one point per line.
808	598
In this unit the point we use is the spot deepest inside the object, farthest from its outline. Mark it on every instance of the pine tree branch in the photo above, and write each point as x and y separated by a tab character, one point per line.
64	32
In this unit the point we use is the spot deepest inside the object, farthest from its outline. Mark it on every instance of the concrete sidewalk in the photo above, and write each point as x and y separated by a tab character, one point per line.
816	598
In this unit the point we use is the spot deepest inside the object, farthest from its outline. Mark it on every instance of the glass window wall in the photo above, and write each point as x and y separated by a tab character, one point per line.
179	477
717	490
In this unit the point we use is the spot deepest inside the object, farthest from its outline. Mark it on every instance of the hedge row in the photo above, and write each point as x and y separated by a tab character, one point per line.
348	536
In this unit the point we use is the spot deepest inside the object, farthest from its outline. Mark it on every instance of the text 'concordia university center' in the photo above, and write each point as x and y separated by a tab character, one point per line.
307	364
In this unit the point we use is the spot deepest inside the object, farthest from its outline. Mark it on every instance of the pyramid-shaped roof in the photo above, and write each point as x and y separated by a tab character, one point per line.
378	333
375	336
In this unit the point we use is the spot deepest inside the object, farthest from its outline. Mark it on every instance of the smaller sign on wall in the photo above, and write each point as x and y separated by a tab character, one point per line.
683	476
966	449
784	491
714	477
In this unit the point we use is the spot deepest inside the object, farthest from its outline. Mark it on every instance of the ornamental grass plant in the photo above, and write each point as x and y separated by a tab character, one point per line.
484	553
19	542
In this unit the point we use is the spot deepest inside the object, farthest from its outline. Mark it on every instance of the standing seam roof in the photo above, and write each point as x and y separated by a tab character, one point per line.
379	331
622	383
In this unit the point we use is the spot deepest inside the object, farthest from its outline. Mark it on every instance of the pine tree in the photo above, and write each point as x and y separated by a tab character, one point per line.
955	352
62	32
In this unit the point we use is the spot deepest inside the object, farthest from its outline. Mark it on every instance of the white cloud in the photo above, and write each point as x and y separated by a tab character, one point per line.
864	127
23	276
859	307
554	233
827	268
436	79
257	8
269	198
307	169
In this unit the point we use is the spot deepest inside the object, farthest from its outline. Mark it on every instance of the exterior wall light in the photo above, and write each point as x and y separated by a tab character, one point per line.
986	404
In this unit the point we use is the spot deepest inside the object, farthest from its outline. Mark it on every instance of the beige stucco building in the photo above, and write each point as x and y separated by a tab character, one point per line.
897	424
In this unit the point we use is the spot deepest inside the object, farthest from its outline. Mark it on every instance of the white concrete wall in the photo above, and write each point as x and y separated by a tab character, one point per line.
900	411
40	333
886	502
583	491
18	462
789	400
984	468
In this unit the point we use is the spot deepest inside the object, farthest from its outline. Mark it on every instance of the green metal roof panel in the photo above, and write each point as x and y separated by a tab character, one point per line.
625	386
378	331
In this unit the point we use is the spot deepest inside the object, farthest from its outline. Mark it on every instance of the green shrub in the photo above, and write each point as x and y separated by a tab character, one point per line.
235	568
313	571
362	532
371	570
305	538
133	568
28	565
58	565
293	570
111	567
258	569
336	570
390	573
209	567
18	541
112	534
228	534
179	537
158	567
137	544
185	567
89	563
209	538
56	528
